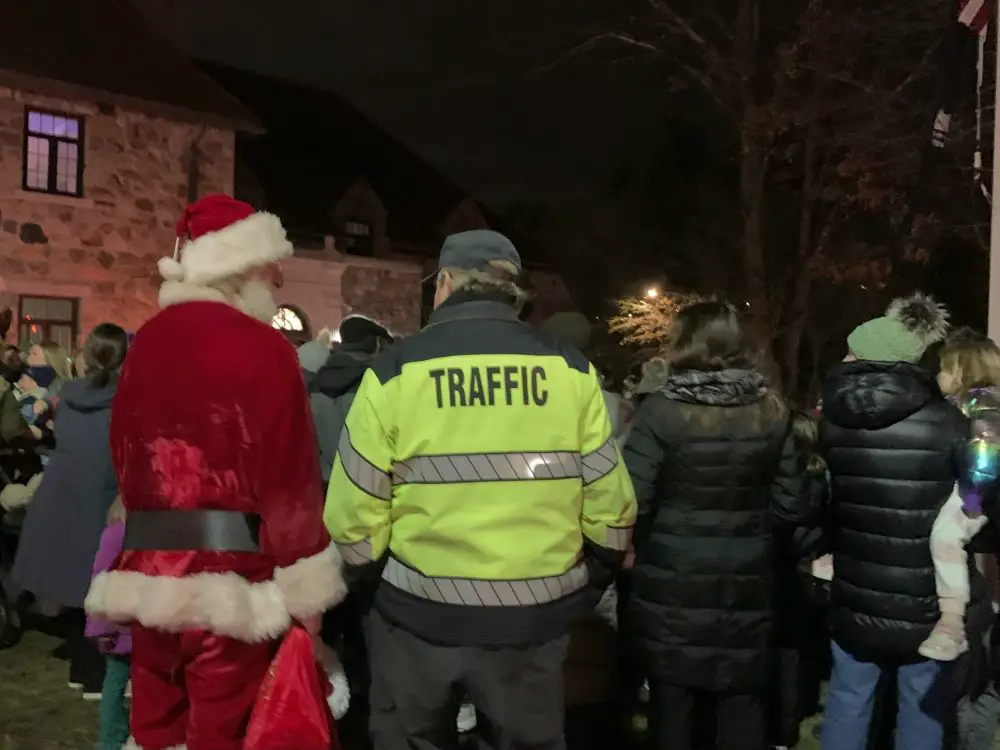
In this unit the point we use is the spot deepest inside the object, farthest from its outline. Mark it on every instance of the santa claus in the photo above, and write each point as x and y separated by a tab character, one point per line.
214	449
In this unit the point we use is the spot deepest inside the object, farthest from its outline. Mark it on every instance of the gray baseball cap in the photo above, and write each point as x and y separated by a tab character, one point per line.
475	249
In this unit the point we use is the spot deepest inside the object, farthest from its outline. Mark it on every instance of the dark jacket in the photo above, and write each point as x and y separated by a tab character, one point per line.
63	528
892	442
718	480
331	393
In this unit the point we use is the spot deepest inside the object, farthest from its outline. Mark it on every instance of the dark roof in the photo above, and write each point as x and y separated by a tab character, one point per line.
317	145
79	48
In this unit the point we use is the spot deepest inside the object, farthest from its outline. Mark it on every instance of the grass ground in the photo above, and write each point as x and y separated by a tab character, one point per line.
38	711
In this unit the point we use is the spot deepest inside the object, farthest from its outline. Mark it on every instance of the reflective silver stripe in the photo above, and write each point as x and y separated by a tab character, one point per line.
618	538
361	471
478	593
357	553
487	467
601	462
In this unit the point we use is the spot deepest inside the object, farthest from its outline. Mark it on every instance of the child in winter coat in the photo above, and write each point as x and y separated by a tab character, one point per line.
970	376
114	641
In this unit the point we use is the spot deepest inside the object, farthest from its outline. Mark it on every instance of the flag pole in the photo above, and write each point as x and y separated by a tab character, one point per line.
993	319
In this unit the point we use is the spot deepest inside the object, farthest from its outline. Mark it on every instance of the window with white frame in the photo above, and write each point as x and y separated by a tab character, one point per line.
358	238
53	153
48	319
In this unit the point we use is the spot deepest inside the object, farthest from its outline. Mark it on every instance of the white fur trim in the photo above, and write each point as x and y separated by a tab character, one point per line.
133	745
223	603
312	585
170	269
340	699
253	242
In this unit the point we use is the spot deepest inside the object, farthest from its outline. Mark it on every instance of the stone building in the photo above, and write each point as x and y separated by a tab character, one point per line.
101	151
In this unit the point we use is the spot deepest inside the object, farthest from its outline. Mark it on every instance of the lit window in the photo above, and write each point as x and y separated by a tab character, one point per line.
358	238
53	161
48	319
286	319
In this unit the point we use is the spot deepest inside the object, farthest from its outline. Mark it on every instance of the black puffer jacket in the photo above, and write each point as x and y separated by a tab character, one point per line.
716	475
892	442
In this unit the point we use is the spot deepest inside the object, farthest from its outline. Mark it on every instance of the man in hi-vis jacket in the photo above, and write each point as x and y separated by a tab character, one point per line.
478	476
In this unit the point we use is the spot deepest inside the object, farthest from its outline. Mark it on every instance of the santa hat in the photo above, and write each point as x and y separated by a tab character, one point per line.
219	237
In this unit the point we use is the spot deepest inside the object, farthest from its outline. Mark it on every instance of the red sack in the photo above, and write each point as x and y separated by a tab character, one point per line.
291	712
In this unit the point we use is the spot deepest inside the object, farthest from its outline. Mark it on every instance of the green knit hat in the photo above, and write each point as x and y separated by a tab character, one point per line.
908	327
885	340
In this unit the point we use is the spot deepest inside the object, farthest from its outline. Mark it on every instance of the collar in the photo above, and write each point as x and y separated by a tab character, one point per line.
474	305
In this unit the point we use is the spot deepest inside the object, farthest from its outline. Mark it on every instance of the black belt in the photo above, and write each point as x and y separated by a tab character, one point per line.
203	530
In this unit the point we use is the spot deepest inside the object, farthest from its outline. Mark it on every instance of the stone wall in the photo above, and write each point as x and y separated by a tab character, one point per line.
390	293
326	285
102	248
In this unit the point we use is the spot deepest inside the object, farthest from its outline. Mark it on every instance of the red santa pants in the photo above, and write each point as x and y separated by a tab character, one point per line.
194	689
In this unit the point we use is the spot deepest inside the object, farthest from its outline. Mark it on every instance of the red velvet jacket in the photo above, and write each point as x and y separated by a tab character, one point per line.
211	413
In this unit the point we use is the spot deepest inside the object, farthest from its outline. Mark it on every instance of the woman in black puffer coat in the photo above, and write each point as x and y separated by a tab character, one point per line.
720	488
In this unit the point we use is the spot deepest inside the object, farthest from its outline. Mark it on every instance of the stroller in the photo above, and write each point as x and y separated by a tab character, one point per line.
18	463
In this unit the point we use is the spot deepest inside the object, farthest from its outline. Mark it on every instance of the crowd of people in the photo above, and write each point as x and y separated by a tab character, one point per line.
462	530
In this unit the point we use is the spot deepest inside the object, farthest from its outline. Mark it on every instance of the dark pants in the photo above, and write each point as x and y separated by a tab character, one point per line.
417	687
739	719
86	663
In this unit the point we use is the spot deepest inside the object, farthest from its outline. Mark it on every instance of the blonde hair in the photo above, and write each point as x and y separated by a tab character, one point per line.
505	280
57	358
971	364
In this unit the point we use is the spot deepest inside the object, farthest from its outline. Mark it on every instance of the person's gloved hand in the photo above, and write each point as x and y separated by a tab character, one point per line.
340	698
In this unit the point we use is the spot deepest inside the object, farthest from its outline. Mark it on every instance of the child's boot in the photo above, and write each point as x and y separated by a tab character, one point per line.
947	641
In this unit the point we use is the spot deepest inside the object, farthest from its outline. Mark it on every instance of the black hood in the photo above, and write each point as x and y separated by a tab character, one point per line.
341	373
82	395
867	395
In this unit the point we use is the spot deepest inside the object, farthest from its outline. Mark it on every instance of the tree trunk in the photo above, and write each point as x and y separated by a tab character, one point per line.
791	341
797	306
753	171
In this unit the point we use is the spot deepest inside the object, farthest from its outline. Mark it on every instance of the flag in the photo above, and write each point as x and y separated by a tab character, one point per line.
962	59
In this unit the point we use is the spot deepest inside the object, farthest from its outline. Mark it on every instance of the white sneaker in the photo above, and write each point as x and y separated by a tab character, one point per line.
941	646
92	697
74	685
466	720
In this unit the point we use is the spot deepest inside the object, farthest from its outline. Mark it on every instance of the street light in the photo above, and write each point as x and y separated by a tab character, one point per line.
652	293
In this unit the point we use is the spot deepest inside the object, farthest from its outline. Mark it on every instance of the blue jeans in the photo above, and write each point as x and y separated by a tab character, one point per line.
851	698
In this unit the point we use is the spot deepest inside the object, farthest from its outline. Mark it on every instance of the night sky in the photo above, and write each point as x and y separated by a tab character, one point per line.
469	85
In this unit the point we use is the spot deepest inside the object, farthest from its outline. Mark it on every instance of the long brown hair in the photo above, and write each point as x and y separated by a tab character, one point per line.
708	337
805	435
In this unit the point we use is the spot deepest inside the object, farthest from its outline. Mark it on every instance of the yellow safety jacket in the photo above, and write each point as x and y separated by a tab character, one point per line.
477	464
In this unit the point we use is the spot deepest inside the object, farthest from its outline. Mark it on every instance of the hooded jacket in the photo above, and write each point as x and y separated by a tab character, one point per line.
62	532
893	444
331	393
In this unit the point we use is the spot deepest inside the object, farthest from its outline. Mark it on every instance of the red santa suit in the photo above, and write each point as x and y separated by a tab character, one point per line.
217	466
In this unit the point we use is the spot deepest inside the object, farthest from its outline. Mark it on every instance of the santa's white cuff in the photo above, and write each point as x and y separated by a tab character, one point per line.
222	603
